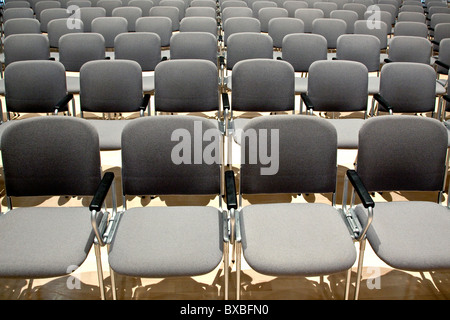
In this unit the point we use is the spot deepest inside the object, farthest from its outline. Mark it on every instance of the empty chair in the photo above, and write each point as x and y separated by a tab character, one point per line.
436	19
109	28
411	8
326	7
331	29
409	28
180	4
361	27
281	239
203	3
240	24
200	12
292	5
59	27
350	17
278	28
359	8
340	3
46	241
129	13
50	14
20	26
411	16
441	31
194	45
109	5
199	24
79	3
433	10
374	16
168	241
17	13
165	11
75	49
259	4
308	15
339	86
16	4
266	14
409	49
236	12
392	9
162	26
43	5
111	86
395	154
19	47
87	14
145	6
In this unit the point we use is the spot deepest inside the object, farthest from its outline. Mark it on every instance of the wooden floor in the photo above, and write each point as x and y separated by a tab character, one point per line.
380	282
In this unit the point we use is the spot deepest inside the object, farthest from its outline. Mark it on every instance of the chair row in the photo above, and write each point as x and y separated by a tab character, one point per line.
57	156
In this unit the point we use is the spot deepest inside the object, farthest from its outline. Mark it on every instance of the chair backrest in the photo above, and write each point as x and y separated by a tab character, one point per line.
292	5
308	15
363	48
111	86
142	47
411	16
389	8
109	5
439	18
231	3
16	4
410	49
263	85
433	10
240	24
145	6
361	27
326	7
88	14
166	11
266	14
129	13
441	32
78	3
194	45
186	85
373	17
43	5
248	45
349	16
59	27
21	25
75	49
17	13
257	5
146	172
444	55
109	28
400	87
48	15
204	3
199	24
331	29
162	26
302	49
280	27
296	161
359	8
180	4
338	85
404	153
19	47
200	12
411	8
51	156
236	12
411	28
34	86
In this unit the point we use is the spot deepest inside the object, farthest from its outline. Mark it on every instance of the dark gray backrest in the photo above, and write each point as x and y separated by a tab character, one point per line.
338	85
363	48
52	155
142	47
109	28
410	49
263	85
381	32
34	86
194	45
87	14
186	85
170	155
199	24
59	27
48	15
240	24
401	88
19	47
129	13
75	49
402	152
303	151
280	27
302	49
21	25
111	86
162	26
248	45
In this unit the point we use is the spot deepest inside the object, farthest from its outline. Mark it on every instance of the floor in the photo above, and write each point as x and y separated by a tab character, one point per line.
380	282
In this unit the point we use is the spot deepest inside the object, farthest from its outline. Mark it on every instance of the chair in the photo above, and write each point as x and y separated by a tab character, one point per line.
145	49
292	5
16	4
204	3
240	24
200	12
374	16
88	14
229	4
411	16
178	240
50	14
78	4
409	49
339	86
166	11
43	5
411	8
308	15
349	16
441	31
436	19
20	26
14	13
282	239
109	5
395	154
359	8
129	13
111	86
145	6
278	28
266	14
331	29
62	159
361	27
59	27
109	28
259	4
177	4
162	26
326	7
340	3
235	12
410	28
199	24
194	45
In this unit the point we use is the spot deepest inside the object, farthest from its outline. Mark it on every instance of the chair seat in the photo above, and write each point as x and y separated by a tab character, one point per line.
2	87
347	132
301	85
167	241
41	242
148	83
296	239
73	84
238	126
440	88
109	133
374	85
409	235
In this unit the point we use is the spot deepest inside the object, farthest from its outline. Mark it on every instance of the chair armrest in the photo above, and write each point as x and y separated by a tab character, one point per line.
361	190
442	64
446	97
383	102
221	61
307	101
387	60
61	103
102	190
225	101
435	42
145	101
230	190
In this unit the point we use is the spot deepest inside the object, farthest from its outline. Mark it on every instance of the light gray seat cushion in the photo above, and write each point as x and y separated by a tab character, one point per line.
296	239
373	85
347	132
167	241
109	133
44	242
73	84
148	83
301	84
409	235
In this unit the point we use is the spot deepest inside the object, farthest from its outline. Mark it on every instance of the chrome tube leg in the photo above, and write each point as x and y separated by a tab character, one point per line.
98	257
347	284
113	284
362	247
238	270
226	266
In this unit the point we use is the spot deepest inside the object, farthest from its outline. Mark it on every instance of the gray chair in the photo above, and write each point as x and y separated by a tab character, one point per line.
240	24
14	13
109	28
259	4
308	15
326	7
111	86
200	12
50	14
361	27
235	12
395	154
109	5
145	49
359	8
199	24
204	3
145	6
20	26
58	27
162	26
166	11
169	241
331	29
409	49
411	8
62	159
266	14
193	45
441	31
339	86
278	28
287	239
88	14
129	13
180	4
411	16
16	4
436	19
374	16
292	5
411	28
349	16
79	3
43	5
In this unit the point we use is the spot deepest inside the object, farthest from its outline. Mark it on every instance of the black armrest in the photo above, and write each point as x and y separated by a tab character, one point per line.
64	101
446	98
163	58
102	190
52	59
107	58
145	101
221	61
307	101
387	60
442	64
361	190
382	102
230	190
430	28
225	101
